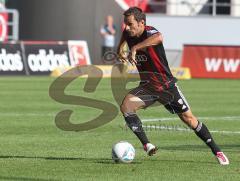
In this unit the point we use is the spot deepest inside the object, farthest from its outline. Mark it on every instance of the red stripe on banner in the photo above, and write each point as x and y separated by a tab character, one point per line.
4	27
157	63
125	4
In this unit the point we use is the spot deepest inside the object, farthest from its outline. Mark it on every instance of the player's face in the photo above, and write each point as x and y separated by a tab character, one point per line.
133	28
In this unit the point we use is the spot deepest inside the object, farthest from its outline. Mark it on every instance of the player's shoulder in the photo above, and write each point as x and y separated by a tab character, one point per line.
151	30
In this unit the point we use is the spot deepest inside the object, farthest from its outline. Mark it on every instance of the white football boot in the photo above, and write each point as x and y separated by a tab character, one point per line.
150	149
222	158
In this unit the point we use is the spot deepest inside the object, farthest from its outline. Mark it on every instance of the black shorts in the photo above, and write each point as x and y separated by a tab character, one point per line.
172	99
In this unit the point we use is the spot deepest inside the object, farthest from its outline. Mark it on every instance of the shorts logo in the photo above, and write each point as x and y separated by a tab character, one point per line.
180	101
184	107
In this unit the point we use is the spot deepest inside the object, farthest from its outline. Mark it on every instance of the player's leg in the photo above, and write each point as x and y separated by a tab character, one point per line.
130	105
180	106
128	108
200	129
203	133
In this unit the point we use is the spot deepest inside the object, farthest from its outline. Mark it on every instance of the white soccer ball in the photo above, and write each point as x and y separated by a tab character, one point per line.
123	152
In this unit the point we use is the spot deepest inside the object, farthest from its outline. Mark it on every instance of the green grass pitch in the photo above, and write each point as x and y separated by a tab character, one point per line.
33	148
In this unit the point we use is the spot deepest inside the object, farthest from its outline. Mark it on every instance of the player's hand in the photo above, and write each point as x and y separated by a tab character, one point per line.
122	53
132	56
122	56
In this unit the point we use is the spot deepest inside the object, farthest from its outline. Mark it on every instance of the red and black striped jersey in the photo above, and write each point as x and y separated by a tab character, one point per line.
152	63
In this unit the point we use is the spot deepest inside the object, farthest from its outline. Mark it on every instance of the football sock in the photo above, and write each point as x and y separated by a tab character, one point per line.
135	125
202	132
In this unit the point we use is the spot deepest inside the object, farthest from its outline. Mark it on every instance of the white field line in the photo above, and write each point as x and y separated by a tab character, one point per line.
227	118
171	127
151	127
177	128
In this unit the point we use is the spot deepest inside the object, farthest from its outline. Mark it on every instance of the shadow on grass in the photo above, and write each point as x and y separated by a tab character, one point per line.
231	148
53	158
227	148
174	161
91	160
111	162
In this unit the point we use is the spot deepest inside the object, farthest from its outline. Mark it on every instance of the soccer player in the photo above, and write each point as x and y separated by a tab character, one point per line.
157	82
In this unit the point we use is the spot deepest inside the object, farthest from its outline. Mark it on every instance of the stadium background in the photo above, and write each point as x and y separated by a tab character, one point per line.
66	20
81	20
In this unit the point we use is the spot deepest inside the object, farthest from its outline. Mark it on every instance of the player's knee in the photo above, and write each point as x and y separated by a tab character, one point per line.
123	108
131	104
127	107
190	120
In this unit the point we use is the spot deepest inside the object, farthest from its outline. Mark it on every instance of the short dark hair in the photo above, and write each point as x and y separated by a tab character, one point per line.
137	13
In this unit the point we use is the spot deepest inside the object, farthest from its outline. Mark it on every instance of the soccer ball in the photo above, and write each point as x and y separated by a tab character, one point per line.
123	152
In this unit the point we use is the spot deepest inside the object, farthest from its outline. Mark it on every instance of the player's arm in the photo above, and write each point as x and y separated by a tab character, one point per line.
154	39
121	50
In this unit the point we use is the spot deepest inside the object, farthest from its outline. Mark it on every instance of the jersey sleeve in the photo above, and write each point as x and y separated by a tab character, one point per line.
151	31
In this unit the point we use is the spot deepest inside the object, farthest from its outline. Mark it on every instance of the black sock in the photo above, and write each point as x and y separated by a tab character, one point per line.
203	133
135	125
